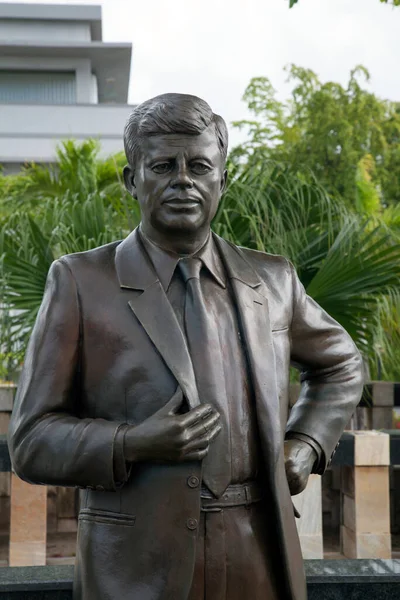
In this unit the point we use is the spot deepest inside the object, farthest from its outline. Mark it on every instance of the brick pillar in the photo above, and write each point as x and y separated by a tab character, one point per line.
28	523
365	530
309	526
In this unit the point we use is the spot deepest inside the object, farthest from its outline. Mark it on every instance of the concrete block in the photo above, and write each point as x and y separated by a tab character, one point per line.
4	422
365	531
365	545
348	486
383	393
309	526
7	392
382	417
28	529
371	448
24	554
369	510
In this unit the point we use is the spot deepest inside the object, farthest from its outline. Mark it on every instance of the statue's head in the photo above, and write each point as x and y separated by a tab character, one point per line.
176	148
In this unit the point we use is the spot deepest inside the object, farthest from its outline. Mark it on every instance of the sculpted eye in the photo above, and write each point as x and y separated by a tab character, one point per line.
199	168
161	168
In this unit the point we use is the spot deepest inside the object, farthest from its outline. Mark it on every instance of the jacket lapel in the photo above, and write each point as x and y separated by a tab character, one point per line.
153	310
251	299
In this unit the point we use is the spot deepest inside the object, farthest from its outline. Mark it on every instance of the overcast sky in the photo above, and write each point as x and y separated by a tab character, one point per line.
212	48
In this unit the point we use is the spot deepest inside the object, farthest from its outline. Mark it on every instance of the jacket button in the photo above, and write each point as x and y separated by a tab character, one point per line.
193	481
191	524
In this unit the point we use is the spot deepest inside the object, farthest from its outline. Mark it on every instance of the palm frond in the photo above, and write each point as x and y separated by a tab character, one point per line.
346	263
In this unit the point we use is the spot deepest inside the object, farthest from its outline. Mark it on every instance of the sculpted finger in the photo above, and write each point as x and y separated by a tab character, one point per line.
204	426
197	414
199	444
214	432
196	455
204	440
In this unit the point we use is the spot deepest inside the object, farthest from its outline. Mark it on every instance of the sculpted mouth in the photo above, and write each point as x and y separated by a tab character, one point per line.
182	202
182	199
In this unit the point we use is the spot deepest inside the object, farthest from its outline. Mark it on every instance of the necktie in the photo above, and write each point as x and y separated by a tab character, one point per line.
206	354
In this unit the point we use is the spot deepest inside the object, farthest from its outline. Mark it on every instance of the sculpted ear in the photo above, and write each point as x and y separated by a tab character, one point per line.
129	180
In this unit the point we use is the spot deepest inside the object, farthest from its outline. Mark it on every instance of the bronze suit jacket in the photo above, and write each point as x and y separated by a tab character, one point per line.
107	350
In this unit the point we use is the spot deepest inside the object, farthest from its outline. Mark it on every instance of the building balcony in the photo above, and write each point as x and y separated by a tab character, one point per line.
32	132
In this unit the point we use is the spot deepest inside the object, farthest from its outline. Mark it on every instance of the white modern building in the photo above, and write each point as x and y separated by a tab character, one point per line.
58	80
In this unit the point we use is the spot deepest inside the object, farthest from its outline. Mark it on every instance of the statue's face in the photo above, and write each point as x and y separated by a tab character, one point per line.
178	182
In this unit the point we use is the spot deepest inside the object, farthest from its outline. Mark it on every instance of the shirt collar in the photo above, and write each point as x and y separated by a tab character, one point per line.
164	261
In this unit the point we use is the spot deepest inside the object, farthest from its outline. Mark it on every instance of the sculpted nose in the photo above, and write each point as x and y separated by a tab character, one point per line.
182	179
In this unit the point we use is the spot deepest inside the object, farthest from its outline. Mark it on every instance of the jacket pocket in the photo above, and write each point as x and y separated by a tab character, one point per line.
107	517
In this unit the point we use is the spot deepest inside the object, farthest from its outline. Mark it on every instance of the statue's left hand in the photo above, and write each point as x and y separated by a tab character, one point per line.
299	461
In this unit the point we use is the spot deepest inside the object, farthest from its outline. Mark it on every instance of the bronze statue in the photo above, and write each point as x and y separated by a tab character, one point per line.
156	380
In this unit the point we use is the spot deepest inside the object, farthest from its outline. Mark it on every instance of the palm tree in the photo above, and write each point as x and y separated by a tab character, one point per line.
347	262
48	211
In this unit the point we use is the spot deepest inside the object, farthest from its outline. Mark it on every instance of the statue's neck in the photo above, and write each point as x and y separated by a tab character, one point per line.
174	243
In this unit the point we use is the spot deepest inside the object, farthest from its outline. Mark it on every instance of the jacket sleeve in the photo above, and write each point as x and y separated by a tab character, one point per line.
49	443
331	374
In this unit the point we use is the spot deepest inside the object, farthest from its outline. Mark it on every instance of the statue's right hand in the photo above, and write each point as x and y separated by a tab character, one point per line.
168	436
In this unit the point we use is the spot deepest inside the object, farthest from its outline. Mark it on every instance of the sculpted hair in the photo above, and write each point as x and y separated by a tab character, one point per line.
171	113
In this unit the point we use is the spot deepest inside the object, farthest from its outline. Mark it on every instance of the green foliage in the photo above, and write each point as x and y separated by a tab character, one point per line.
386	339
46	212
346	136
346	262
349	263
346	142
11	355
78	172
367	198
